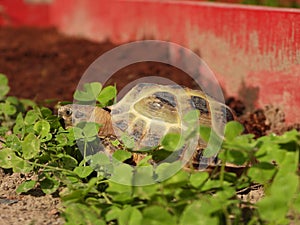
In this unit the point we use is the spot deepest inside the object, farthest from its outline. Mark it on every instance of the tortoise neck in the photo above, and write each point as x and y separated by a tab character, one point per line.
104	119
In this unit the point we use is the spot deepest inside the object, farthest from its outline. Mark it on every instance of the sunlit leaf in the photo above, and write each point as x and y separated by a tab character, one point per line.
172	142
30	146
106	95
42	128
232	130
4	88
198	213
127	141
31	117
83	171
130	216
262	172
198	179
26	186
121	155
157	215
89	93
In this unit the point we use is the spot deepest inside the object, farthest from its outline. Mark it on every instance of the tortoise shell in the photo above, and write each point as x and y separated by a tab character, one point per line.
150	111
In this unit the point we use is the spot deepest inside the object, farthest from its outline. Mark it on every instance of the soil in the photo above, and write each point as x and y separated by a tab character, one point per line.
42	64
33	208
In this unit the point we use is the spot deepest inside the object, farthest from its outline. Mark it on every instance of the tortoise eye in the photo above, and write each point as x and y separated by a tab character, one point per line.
68	112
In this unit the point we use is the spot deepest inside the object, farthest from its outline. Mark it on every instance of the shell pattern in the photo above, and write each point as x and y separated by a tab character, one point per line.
150	111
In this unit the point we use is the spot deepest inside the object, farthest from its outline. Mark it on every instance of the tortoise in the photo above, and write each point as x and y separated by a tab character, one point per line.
148	112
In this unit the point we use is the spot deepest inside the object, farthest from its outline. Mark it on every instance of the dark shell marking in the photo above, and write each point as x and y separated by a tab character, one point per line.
201	104
166	97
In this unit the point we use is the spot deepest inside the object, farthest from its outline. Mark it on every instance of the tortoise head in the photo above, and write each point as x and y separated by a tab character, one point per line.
73	114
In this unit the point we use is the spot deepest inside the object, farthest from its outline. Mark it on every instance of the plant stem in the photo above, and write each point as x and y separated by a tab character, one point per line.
222	172
51	167
84	153
106	198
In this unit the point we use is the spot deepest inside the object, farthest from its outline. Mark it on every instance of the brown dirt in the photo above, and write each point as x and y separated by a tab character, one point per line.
43	64
33	208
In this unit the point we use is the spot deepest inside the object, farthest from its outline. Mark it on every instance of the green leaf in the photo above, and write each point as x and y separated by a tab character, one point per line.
106	95
26	186
269	151
120	193
223	196
127	141
273	209
91	129
192	117
27	103
90	92
31	117
262	172
6	156
4	88
166	170
145	161
198	179
143	175
49	185
123	174
211	184
62	139
12	141
289	136
78	132
213	140
48	137
199	213
9	109
68	161
42	128
46	112
21	166
205	133
130	216
157	215
121	155
8	159
72	195
83	171
78	213
234	156
3	131
117	188
19	127
30	146
12	100
232	130
172	142
98	159
296	203
113	213
65	138
286	183
87	131
146	192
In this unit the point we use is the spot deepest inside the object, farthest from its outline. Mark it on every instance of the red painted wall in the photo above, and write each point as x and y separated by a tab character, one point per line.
254	51
20	12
